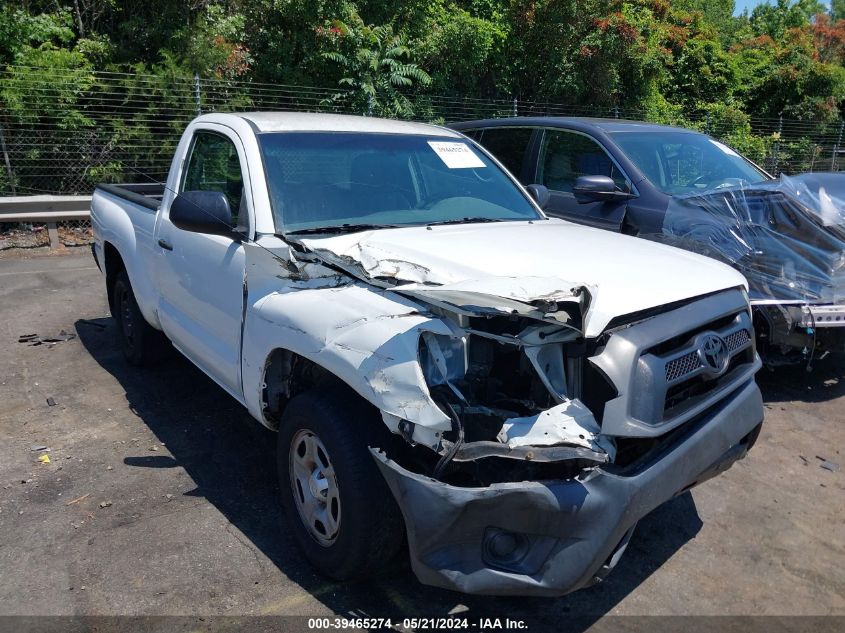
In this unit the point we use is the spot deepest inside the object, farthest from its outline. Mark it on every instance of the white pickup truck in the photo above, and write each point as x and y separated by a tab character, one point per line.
441	360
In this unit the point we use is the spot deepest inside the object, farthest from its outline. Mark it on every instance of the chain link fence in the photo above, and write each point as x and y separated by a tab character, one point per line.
62	131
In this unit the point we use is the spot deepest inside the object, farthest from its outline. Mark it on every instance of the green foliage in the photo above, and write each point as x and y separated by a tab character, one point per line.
21	31
717	14
684	62
650	55
786	78
54	99
377	68
800	155
213	44
461	50
775	20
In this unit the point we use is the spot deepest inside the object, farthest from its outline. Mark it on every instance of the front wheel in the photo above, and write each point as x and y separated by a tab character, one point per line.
338	505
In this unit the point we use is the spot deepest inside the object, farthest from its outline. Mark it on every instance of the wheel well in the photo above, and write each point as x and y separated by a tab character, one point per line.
114	264
287	374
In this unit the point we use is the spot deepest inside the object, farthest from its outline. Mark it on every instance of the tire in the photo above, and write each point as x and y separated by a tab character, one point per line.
363	532
141	344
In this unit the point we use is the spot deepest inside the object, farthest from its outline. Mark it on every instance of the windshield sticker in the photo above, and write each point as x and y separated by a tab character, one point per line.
727	150
456	155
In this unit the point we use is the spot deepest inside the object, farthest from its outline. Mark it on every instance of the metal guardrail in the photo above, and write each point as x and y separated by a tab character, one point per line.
46	209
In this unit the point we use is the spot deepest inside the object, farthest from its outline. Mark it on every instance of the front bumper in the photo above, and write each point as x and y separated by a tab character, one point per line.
553	537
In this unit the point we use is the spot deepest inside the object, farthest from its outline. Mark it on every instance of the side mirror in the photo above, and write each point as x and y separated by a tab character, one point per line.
202	212
597	189
540	195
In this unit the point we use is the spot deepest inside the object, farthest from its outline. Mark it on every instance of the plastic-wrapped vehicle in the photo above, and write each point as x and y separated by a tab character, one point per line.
680	187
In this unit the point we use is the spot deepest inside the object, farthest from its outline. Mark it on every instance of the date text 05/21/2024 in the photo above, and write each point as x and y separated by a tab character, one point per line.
482	624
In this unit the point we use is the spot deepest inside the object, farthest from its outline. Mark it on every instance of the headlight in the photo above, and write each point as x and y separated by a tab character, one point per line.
442	358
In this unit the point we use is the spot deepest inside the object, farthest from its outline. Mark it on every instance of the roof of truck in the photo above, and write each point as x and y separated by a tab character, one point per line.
573	122
313	122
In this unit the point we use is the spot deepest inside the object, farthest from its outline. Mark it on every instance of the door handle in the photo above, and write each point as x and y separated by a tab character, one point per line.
165	244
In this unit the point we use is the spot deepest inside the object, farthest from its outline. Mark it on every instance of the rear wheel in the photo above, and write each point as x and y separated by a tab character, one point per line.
338	505
140	342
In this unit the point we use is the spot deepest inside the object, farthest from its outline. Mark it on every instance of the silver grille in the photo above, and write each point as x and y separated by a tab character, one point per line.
682	366
658	388
737	340
690	362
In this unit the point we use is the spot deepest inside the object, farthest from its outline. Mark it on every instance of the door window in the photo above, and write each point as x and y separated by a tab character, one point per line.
564	156
214	166
508	144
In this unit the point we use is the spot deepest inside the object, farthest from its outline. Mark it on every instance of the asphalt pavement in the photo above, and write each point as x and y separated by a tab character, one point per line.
160	495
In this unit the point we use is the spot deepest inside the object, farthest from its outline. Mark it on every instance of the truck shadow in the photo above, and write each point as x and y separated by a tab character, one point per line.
825	382
231	458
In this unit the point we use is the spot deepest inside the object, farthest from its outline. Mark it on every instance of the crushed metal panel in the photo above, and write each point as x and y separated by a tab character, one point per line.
567	423
534	297
503	257
519	289
365	336
375	261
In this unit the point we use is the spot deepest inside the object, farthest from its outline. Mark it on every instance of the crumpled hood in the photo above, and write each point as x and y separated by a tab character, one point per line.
535	260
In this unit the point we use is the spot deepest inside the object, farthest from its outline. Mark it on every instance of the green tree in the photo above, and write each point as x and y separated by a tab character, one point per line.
213	44
377	67
22	32
787	78
462	51
717	14
776	19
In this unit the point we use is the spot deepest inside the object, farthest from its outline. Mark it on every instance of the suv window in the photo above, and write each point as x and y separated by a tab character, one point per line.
508	144
564	156
214	166
680	162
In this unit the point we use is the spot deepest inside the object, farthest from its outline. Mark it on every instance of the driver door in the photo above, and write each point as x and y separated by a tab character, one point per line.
564	156
201	276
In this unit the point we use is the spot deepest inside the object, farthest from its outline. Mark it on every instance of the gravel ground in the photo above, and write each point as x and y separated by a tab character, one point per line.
159	497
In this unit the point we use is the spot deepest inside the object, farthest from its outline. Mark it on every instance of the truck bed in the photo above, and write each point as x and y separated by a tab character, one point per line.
124	215
145	194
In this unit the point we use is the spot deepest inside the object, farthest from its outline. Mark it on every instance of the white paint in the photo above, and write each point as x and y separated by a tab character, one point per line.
530	260
310	122
365	336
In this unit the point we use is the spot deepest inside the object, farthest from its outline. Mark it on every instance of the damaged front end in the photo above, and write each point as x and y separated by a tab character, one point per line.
559	445
509	378
524	452
506	371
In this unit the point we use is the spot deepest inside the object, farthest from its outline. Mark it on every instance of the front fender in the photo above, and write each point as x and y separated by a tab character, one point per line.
366	337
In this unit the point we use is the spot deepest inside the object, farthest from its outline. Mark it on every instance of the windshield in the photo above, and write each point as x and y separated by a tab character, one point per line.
680	163
323	181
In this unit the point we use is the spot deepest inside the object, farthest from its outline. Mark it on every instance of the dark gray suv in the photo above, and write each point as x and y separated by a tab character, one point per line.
684	188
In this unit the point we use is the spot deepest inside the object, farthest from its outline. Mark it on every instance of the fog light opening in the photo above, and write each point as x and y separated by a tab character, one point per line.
503	548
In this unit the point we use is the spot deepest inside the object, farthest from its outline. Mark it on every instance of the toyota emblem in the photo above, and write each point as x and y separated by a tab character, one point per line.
713	353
